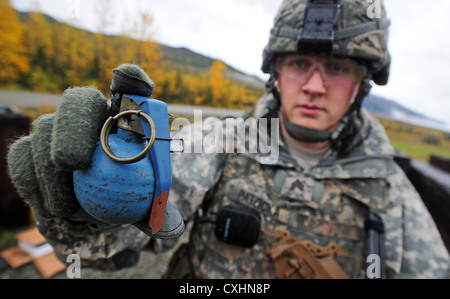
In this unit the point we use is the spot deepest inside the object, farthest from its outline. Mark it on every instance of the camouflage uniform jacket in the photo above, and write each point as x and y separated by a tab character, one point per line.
327	203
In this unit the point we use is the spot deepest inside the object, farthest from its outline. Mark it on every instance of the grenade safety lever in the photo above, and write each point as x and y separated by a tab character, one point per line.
159	155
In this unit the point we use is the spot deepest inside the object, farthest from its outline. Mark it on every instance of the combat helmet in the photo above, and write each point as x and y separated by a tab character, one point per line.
356	29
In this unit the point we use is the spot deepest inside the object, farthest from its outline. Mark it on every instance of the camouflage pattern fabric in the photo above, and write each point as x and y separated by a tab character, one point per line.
96	244
327	203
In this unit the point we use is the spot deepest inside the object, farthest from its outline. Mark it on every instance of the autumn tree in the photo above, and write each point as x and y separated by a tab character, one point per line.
38	44
218	82
13	56
141	48
38	39
44	55
106	51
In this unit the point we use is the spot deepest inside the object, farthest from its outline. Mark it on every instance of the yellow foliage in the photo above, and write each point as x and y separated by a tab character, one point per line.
13	55
37	35
218	81
50	57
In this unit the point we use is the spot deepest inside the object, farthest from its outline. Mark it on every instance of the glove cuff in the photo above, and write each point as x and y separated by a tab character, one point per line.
173	225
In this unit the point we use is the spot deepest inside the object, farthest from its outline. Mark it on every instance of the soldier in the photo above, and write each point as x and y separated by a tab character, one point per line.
333	204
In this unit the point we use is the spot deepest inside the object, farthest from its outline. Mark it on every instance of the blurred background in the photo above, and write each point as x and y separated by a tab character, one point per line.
206	53
209	53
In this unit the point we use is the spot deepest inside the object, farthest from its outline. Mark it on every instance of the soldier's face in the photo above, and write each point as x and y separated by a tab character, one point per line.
312	102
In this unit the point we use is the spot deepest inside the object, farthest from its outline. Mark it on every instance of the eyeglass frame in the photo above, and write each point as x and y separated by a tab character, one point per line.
359	71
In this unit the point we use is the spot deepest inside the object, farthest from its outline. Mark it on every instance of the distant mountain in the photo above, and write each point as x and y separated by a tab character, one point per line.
185	60
390	109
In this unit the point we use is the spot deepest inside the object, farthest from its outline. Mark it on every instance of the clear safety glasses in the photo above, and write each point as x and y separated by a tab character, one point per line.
335	71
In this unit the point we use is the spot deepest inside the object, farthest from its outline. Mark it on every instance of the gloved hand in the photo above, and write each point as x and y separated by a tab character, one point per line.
41	165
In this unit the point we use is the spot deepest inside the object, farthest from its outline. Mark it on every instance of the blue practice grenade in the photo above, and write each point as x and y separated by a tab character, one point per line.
129	177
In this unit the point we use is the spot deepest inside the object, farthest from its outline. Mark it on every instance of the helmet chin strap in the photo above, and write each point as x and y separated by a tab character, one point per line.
304	134
308	135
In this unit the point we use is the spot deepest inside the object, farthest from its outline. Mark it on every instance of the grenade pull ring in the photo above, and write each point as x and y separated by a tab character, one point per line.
104	141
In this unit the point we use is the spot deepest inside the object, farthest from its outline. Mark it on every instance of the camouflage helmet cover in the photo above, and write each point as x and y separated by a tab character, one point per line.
357	36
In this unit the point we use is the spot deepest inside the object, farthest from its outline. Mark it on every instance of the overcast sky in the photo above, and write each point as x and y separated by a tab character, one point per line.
236	32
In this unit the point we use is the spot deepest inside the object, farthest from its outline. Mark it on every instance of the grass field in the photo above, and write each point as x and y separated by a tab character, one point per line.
421	152
417	142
